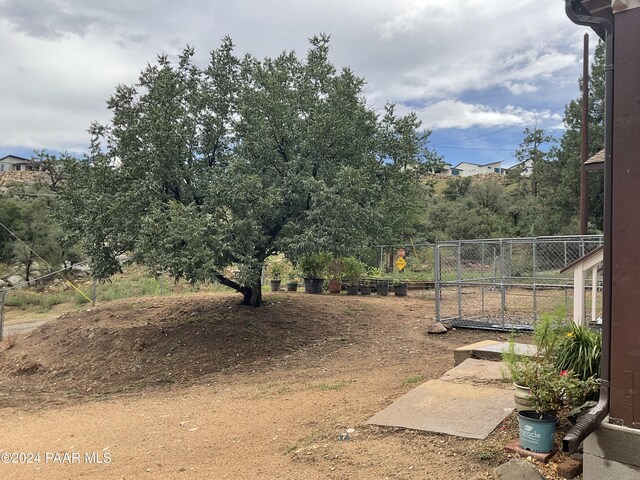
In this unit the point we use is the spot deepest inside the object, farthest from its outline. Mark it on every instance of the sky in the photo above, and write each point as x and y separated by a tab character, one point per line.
476	72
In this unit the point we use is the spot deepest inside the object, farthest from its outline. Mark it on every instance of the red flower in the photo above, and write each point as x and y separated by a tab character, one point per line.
564	372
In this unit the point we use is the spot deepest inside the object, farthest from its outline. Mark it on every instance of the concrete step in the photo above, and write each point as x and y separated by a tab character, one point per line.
490	350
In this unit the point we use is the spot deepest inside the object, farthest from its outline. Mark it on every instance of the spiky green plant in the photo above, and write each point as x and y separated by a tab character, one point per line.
580	350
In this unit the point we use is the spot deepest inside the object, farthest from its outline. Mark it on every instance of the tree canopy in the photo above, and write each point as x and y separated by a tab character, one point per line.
203	168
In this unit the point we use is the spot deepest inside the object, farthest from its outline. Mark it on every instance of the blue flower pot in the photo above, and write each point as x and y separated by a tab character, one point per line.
536	431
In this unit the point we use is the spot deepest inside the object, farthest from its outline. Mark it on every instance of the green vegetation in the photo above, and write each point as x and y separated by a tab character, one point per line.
133	282
543	203
336	386
24	299
314	265
413	379
565	370
579	351
246	160
229	164
353	270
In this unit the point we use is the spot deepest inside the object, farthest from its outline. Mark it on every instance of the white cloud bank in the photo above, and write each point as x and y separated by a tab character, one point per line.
63	58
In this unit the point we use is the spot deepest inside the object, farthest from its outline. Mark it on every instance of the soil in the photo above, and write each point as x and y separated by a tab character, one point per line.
201	387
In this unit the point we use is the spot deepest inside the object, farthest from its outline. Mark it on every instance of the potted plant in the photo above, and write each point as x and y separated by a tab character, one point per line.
550	390
353	270
547	335
292	281
400	288
313	267
543	385
334	271
365	287
381	283
275	269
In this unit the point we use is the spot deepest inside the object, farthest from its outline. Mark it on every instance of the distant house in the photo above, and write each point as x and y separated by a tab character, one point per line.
12	163
468	169
446	170
525	168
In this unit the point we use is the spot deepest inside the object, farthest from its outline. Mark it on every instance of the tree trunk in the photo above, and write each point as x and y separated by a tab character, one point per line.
27	269
252	296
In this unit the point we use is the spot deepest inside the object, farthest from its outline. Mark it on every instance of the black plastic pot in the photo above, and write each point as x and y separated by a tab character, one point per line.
365	290
313	285
292	287
275	285
401	290
352	289
382	287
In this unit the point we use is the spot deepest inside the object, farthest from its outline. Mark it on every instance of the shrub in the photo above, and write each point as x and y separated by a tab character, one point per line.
580	350
353	270
314	265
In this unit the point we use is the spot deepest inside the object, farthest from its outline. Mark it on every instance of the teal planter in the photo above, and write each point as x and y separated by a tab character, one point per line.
536	433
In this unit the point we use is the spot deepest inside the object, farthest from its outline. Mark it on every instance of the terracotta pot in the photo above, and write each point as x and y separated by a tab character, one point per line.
335	285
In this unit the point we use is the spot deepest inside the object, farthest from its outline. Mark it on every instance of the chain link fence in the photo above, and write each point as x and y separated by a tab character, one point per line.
507	283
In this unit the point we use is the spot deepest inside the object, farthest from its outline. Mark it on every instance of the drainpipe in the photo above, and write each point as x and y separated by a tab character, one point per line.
592	419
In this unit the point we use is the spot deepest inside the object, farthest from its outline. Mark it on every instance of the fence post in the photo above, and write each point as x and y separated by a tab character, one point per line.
533	281
436	266
93	292
459	280
3	297
503	293
482	276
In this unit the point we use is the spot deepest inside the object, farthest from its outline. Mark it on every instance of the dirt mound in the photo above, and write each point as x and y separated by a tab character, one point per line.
135	344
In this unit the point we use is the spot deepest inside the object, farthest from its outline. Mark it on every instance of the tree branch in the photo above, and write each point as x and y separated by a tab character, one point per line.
229	283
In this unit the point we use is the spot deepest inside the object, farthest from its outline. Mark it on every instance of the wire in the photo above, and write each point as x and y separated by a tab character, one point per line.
476	148
502	129
47	263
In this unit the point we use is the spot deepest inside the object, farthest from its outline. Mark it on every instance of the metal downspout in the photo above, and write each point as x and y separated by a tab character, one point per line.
591	420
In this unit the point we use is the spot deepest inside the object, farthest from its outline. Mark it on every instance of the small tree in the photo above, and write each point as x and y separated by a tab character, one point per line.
39	234
200	169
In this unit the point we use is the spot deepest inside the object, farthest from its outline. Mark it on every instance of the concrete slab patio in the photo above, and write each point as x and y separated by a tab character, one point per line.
468	401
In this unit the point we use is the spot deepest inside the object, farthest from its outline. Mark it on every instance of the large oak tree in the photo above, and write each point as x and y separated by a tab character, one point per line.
203	168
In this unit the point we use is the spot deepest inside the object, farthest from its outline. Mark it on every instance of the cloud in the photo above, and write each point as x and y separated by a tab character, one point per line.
520	88
63	58
458	114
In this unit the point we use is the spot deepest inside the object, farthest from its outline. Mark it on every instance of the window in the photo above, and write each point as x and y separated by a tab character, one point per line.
455	172
497	170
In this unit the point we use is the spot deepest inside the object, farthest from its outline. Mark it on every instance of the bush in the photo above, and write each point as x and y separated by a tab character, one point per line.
580	350
353	270
314	265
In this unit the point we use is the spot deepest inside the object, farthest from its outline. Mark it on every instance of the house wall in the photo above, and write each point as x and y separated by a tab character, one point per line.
625	229
612	452
471	169
12	164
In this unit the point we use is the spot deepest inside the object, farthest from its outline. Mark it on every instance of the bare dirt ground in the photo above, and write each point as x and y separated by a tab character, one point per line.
200	387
